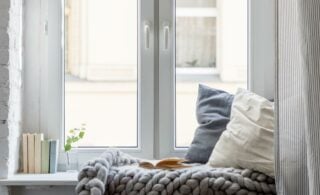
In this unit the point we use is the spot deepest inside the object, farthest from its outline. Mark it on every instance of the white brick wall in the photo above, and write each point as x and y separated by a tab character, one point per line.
10	85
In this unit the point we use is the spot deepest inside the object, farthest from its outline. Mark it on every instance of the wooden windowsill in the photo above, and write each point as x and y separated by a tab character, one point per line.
56	179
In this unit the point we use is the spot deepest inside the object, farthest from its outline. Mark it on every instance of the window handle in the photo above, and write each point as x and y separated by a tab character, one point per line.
147	26
166	32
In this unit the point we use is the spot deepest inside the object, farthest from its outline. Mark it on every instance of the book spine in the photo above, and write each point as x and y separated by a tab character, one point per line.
37	153
54	147
25	152
31	153
45	156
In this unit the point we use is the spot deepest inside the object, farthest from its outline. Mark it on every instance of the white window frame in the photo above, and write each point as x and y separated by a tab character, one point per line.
262	47
157	131
261	63
145	80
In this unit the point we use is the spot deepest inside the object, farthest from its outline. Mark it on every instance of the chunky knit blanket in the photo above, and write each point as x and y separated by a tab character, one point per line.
117	173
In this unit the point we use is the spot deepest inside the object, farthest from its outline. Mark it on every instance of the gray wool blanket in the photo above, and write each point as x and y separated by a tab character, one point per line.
117	173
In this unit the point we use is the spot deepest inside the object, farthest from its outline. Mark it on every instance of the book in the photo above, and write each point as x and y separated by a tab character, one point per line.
45	150
53	157
37	152
31	153
25	153
167	163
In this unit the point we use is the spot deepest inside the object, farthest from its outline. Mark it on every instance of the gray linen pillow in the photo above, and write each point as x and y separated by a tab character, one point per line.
213	115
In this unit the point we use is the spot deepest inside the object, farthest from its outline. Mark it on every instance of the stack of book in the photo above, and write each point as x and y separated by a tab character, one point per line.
39	155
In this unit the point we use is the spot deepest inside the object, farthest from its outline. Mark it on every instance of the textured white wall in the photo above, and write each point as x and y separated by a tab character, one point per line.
10	85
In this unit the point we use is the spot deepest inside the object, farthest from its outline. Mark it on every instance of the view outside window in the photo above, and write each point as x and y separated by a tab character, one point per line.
211	49
101	70
101	64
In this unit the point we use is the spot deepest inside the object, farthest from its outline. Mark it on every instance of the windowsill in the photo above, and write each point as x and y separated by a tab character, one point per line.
56	179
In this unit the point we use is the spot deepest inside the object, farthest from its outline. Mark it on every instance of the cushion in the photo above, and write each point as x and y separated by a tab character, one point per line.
248	141
213	113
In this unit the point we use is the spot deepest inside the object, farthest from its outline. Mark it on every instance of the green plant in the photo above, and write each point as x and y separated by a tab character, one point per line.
74	135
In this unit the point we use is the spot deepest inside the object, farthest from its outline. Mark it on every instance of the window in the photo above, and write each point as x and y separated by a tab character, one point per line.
101	56
108	73
207	34
132	67
101	64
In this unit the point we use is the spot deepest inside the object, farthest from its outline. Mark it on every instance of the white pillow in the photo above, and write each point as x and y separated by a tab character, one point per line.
248	140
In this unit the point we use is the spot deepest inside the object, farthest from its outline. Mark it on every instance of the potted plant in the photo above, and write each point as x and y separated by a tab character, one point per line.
73	136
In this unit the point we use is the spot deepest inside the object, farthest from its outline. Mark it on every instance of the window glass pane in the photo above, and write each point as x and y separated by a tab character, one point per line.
211	49
196	47
101	71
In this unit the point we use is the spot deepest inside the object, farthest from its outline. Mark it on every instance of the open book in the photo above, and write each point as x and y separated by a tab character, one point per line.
167	163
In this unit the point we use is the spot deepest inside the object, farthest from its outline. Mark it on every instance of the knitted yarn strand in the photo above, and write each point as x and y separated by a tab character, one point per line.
106	176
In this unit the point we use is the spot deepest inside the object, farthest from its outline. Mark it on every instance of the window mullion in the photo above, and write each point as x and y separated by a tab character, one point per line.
166	110
146	78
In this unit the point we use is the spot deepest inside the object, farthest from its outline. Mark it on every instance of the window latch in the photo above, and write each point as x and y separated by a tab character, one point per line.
46	27
147	29
166	33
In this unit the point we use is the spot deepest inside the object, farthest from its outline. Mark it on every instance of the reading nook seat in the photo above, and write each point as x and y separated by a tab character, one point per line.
118	173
